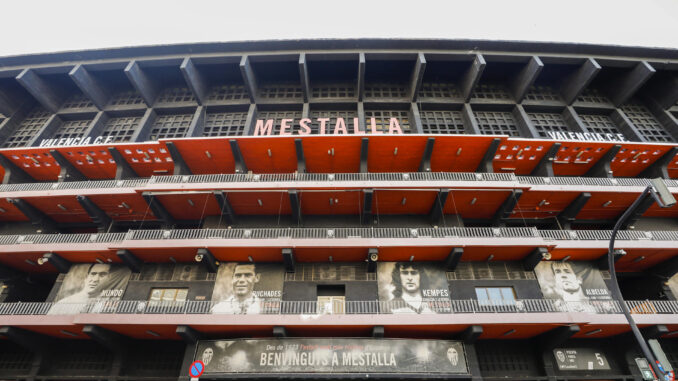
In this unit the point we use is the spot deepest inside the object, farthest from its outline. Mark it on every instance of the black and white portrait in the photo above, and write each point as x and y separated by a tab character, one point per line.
90	282
247	288
673	285
412	287
576	284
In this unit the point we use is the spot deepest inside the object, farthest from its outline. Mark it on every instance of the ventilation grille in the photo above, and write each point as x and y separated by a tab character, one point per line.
121	129
126	98
491	92
176	95
16	361
544	123
72	129
496	358
542	93
496	123
646	124
383	120
281	91
330	272
601	124
592	96
385	90
170	126
225	124
439	90
278	116
442	122
77	101
348	116
228	93
28	128
333	91
83	362
489	271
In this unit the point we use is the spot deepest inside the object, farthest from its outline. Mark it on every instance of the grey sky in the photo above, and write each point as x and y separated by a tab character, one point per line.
31	26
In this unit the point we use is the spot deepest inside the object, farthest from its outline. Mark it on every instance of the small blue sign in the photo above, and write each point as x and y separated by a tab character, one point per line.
197	368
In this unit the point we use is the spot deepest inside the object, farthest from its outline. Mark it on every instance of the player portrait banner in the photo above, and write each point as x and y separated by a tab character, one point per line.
248	288
87	287
333	355
578	286
673	284
412	287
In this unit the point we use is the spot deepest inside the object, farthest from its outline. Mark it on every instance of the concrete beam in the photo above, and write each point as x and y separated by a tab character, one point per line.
573	85
49	97
90	86
361	76
525	79
417	77
143	131
663	89
113	341
524	123
622	89
425	163
569	214
148	88
14	174
295	205
67	171
48	129
159	210
545	166
301	160
470	122
602	167
453	259
532	260
195	79
288	259
660	167
367	206
305	80
62	265
197	127
225	207
364	150
506	207
122	168
132	261
485	165
557	336
189	334
33	341
279	332
36	216
603	263
240	166
415	119
437	209
626	127
378	331
208	259
98	216
471	334
249	78
472	76
180	166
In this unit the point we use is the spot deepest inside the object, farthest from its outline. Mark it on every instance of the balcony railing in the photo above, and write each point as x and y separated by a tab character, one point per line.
349	307
333	178
340	233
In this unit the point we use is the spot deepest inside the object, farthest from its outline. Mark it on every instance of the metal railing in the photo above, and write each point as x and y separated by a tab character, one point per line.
339	233
331	177
100	306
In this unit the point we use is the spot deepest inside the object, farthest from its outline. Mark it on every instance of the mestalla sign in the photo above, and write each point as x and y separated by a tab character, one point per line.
338	126
332	355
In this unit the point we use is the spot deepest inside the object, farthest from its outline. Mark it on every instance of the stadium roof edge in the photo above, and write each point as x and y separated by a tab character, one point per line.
340	44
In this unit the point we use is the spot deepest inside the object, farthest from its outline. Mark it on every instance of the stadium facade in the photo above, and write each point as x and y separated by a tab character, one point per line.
349	209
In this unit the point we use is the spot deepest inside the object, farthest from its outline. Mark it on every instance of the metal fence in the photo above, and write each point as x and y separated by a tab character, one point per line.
350	307
340	233
331	177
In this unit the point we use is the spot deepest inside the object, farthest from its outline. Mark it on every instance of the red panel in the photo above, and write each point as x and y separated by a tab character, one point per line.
37	162
594	208
162	255
641	259
124	207
322	254
50	206
331	203
395	153
522	331
94	161
391	202
421	254
606	330
241	254
18	262
272	203
11	213
485	205
657	211
576	158
519	156
195	154
147	159
500	253
281	159
577	254
534	204
190	206
632	159
332	154
459	153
